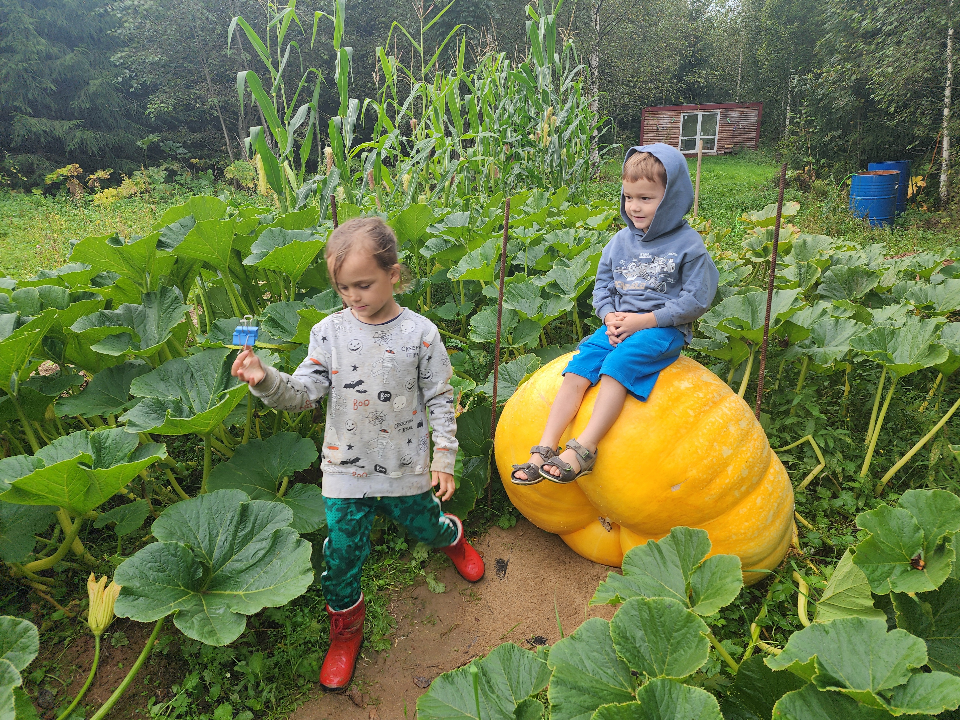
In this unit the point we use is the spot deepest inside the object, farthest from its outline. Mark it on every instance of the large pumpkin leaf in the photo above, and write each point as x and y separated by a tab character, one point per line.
675	567
198	208
757	688
470	476
185	395
19	524
82	470
934	617
940	299
950	339
860	659
108	393
210	241
743	315
136	260
587	673
910	547
903	350
220	557
847	594
847	282
809	703
261	467
662	699
287	251
506	679
19	645
138	329
829	340
510	376
17	350
659	637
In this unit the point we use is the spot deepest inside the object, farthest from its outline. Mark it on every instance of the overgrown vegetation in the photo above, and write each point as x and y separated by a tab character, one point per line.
114	357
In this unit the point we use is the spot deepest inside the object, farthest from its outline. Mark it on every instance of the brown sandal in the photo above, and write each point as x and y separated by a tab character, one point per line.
567	473
531	469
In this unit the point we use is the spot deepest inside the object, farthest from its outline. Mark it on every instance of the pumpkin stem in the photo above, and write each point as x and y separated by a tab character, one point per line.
722	652
915	449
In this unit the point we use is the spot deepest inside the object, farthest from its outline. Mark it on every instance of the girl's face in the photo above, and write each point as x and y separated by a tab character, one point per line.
366	288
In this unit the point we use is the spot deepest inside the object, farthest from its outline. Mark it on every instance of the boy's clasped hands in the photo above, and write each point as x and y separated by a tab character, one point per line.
621	325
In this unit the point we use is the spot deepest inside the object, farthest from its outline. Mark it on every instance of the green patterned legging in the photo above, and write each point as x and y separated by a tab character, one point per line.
347	546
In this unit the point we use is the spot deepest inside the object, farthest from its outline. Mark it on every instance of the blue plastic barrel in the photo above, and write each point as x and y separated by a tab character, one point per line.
902	167
873	195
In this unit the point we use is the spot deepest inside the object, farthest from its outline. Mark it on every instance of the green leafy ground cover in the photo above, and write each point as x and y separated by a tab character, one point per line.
134	426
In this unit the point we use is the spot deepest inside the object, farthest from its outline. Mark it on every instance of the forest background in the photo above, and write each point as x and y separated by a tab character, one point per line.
121	84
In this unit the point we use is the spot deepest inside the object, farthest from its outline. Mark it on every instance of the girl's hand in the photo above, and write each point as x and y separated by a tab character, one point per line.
623	325
248	368
446	483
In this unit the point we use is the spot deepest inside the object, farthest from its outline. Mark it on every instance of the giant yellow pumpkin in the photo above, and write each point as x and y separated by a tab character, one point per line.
692	455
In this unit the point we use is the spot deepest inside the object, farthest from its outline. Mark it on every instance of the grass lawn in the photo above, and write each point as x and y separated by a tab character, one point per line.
731	185
36	230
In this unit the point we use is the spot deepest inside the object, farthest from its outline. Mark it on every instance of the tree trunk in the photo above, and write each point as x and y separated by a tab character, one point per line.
945	157
594	64
216	104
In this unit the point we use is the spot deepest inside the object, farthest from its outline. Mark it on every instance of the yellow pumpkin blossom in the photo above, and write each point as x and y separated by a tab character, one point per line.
102	599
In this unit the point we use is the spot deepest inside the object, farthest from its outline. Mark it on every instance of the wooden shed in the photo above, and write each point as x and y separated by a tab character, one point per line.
723	127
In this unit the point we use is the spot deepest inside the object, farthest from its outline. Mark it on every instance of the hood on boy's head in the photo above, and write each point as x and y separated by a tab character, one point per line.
677	200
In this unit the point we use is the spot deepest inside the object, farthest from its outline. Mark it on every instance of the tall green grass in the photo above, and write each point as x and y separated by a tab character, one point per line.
36	230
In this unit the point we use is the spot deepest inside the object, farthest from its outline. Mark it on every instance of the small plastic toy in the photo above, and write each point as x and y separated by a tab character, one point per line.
246	333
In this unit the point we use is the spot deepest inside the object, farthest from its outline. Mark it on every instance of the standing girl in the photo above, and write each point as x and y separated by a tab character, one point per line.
383	366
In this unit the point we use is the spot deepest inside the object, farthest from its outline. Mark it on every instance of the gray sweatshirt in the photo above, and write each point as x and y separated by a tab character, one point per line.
666	270
381	379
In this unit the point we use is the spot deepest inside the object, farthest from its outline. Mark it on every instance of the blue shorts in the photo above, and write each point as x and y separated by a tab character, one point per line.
635	363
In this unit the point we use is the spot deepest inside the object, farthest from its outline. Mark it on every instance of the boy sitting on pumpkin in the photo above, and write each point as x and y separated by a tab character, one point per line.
654	279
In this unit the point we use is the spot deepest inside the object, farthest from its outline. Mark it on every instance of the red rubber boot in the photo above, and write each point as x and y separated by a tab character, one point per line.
467	560
346	636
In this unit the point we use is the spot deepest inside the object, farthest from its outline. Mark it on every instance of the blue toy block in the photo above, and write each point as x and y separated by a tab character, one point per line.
246	332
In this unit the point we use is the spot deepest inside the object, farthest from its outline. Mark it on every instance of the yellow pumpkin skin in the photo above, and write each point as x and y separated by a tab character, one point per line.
692	455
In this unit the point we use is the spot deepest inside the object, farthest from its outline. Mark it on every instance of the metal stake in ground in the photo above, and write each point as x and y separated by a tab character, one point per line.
773	273
496	343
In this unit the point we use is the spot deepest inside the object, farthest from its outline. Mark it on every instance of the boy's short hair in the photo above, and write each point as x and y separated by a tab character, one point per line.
644	166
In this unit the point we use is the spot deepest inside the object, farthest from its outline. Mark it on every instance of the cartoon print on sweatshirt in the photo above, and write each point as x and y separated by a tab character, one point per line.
384	446
383	338
647	272
332	451
381	421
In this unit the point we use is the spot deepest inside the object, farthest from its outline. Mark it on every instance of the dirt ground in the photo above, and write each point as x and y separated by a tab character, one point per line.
531	576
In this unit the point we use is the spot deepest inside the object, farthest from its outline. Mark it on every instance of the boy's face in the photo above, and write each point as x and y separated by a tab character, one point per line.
640	201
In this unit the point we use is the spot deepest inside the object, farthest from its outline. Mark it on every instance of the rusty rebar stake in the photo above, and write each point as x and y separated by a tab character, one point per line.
773	273
496	343
333	211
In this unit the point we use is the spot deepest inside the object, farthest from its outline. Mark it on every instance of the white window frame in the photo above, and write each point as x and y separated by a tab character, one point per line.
698	137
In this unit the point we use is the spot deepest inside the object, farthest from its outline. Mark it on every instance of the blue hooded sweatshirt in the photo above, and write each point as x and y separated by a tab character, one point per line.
665	270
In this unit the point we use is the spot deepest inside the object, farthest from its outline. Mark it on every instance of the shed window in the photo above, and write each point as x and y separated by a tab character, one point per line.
696	126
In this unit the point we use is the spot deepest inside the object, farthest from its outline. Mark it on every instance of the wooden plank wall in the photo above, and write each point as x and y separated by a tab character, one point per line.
738	128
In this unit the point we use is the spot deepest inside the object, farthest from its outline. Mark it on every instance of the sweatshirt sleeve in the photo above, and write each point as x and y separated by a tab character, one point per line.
305	388
698	285
438	395
602	299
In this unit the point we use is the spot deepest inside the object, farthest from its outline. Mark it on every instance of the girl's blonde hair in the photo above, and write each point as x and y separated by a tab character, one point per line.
366	233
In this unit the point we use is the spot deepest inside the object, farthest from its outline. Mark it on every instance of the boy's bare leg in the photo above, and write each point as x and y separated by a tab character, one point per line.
563	410
606	410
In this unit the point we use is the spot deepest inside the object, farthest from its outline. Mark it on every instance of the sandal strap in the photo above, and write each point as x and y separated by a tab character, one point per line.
580	450
544	451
